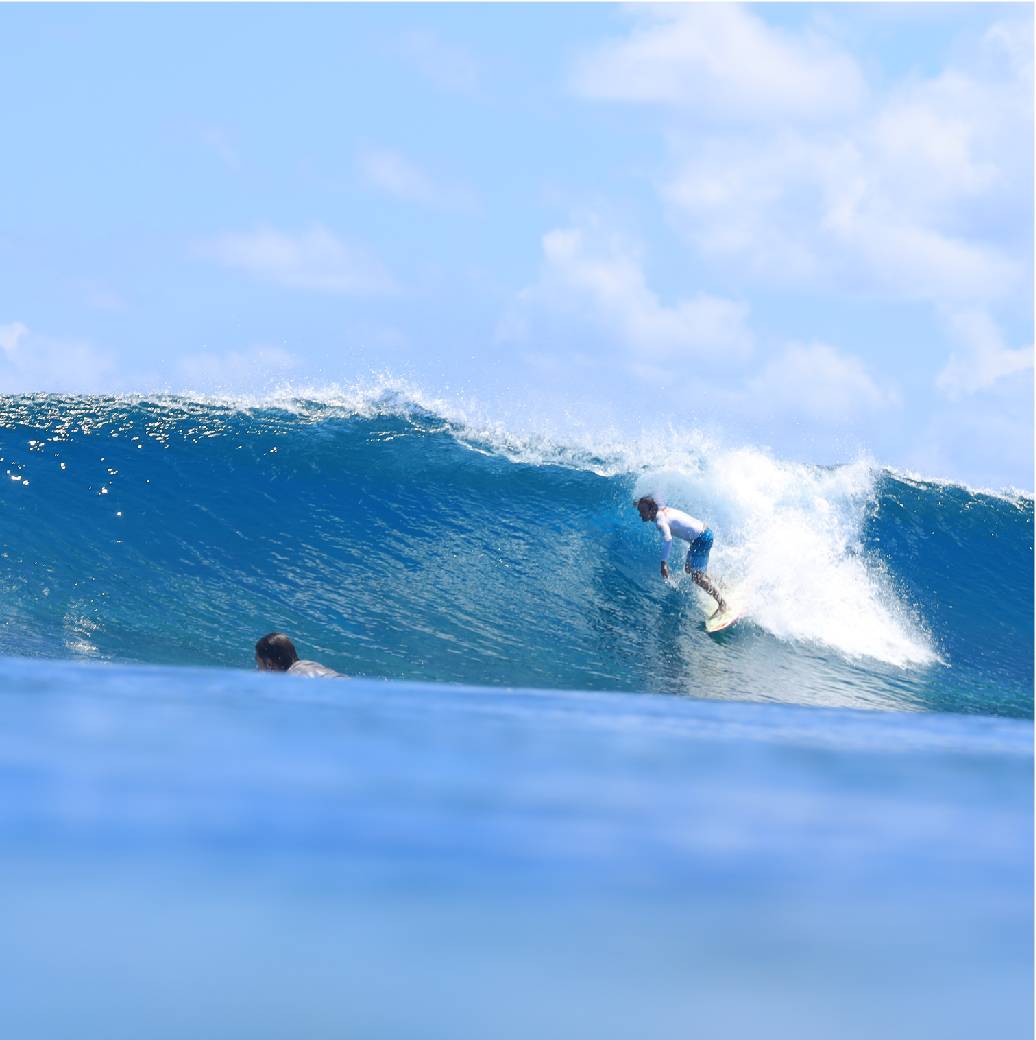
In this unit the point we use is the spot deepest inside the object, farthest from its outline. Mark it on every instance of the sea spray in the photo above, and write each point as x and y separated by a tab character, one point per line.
790	540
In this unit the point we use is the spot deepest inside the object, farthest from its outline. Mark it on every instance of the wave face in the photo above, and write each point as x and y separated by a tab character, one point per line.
395	539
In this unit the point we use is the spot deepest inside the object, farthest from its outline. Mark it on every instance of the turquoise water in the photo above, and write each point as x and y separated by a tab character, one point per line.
616	826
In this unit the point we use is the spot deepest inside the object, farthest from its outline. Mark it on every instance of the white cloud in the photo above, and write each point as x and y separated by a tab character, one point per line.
817	382
599	280
395	175
31	363
984	359
926	141
745	200
315	259
850	210
1008	43
922	192
916	262
722	61
256	367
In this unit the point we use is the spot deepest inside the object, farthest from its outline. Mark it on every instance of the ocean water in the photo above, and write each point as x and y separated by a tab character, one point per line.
547	803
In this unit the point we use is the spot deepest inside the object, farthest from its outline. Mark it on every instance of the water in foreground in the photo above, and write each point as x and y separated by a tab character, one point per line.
212	853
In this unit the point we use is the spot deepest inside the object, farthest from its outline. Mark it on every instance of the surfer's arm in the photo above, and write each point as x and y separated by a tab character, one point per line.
667	543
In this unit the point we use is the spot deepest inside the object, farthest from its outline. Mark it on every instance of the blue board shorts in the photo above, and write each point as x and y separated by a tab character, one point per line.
698	554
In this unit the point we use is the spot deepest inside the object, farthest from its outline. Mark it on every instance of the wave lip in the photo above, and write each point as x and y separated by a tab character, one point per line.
1013	495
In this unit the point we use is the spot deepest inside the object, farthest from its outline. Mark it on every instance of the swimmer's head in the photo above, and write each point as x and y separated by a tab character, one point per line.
647	507
275	653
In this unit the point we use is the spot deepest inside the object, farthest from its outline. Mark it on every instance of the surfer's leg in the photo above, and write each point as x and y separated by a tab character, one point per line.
698	553
702	580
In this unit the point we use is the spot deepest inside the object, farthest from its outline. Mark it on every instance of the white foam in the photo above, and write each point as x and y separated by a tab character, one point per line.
788	536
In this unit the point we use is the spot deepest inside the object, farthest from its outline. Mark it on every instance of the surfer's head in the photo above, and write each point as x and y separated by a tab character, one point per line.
275	653
647	507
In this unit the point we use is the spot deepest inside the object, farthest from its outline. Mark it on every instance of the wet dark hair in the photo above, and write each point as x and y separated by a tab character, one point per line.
278	650
647	500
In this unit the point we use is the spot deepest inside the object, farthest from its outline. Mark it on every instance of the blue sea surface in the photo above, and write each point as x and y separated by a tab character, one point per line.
546	803
213	853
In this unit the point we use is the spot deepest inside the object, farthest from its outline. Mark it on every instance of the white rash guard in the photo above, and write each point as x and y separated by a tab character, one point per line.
674	522
312	670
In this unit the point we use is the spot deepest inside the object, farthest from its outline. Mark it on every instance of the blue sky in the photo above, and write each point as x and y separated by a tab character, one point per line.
808	226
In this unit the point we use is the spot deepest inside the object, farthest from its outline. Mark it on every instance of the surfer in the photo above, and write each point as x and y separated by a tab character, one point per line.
684	526
275	652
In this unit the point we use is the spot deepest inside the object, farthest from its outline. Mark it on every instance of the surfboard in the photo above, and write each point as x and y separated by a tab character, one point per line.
723	618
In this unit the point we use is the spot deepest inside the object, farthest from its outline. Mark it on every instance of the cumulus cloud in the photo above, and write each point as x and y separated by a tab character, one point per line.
395	175
315	259
909	260
722	61
851	211
598	278
915	192
741	200
817	382
983	358
31	363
